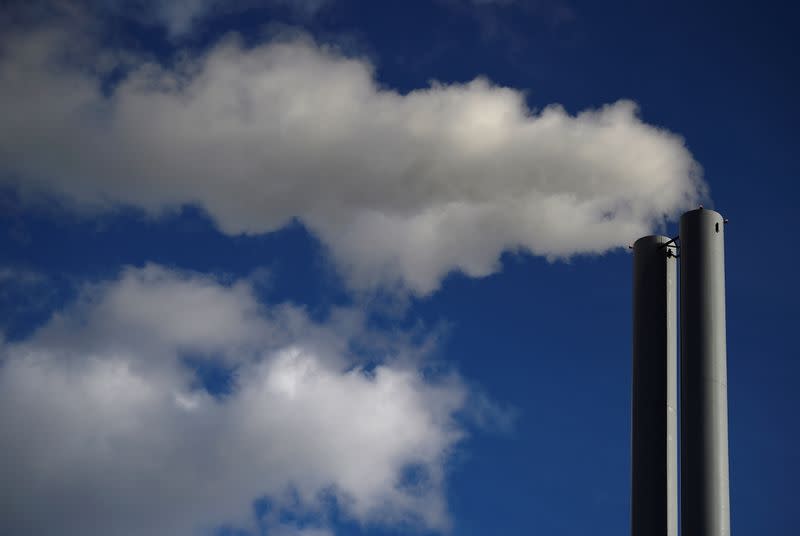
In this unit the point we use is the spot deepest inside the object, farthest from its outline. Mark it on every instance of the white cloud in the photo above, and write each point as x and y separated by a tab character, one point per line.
403	188
104	434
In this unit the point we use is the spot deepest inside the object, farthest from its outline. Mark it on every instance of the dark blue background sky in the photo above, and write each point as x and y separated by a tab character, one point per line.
550	339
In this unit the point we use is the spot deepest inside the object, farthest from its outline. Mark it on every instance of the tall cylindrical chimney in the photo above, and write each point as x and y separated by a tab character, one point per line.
654	498
705	506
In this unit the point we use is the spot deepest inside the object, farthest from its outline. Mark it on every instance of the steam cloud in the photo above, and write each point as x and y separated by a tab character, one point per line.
402	188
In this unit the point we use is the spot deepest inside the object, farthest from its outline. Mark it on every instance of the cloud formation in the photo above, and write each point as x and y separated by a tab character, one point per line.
402	188
105	430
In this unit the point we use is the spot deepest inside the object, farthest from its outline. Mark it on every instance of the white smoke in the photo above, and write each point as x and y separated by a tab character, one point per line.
402	188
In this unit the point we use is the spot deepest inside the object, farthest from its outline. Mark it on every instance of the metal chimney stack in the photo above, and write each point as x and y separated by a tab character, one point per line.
705	507
654	498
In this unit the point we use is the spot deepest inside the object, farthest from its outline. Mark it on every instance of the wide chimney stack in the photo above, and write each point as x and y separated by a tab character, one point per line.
705	503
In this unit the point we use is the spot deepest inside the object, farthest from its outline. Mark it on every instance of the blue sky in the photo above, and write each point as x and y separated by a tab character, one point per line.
330	267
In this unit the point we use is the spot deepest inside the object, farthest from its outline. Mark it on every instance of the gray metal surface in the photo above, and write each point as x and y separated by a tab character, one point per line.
705	505
654	472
